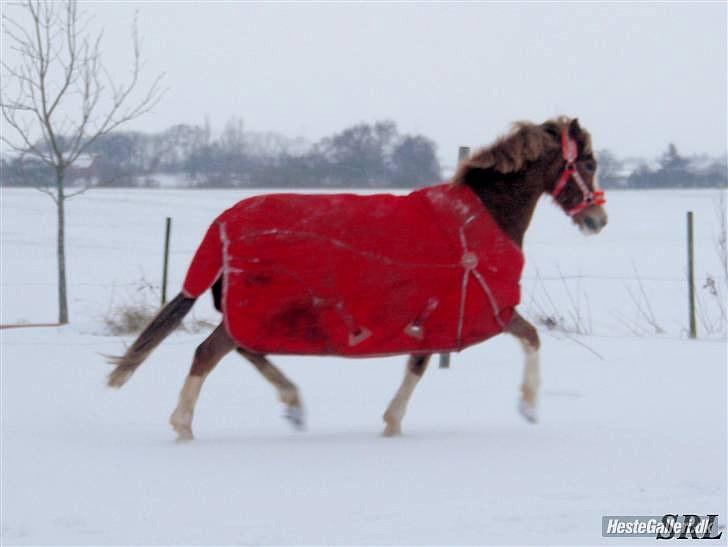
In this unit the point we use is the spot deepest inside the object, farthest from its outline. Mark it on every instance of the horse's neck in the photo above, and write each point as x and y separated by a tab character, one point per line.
510	200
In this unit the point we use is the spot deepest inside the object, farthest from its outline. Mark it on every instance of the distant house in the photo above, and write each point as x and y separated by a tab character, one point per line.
628	167
85	169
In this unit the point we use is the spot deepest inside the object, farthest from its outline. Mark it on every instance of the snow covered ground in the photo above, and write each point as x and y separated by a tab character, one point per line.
629	424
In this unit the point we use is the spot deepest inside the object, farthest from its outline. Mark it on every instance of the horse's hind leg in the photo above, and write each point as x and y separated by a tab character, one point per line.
287	390
416	366
207	355
528	336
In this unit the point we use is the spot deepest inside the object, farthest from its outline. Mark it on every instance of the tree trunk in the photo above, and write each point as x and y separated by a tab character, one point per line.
61	250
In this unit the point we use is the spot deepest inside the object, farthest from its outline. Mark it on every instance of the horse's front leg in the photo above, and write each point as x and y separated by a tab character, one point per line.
528	336
416	366
207	355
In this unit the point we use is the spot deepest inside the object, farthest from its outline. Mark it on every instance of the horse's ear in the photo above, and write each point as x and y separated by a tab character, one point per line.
574	129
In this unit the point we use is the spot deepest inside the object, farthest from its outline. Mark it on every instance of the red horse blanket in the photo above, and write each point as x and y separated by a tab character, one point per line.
352	275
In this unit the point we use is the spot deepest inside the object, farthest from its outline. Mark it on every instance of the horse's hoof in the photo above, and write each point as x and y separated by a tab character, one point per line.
185	437
184	433
392	431
528	411
181	426
294	414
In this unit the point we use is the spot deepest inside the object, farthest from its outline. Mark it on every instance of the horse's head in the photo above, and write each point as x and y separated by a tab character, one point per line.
576	189
554	157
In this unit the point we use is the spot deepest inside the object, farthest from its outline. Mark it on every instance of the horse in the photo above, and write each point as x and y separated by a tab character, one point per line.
290	247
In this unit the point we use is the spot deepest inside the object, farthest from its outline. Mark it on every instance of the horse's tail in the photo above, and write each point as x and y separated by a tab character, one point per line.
168	319
205	269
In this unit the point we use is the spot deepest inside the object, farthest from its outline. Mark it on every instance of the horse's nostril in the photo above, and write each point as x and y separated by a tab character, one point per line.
589	221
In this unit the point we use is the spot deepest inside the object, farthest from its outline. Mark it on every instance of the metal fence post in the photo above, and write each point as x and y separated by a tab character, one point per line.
167	230
691	277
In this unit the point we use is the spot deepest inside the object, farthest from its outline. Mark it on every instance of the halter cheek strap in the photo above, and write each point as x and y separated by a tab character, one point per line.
570	153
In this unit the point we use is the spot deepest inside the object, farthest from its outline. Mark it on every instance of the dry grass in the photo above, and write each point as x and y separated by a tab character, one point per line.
570	314
128	318
129	313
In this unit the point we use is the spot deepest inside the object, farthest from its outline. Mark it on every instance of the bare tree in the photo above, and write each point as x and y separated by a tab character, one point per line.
58	98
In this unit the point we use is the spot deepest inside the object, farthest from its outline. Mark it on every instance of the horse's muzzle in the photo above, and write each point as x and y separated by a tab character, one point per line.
591	220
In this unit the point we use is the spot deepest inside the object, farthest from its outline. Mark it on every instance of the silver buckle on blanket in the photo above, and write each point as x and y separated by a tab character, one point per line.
416	329
356	337
357	333
469	260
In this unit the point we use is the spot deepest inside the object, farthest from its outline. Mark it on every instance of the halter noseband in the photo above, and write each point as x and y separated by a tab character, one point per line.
569	151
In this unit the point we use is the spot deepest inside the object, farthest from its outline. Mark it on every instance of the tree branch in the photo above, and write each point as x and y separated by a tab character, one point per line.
61	64
83	190
47	192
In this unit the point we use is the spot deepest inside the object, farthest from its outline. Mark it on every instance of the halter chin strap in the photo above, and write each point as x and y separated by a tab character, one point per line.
569	151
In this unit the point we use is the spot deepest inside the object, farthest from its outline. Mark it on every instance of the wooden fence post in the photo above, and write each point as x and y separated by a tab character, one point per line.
463	153
167	230
691	278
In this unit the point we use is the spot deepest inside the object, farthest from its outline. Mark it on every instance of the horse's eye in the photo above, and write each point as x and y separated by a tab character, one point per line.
590	166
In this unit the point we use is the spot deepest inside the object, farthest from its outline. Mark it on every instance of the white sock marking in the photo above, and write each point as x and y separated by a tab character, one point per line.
181	418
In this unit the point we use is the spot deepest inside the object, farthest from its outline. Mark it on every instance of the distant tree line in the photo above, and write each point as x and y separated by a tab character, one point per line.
364	155
671	170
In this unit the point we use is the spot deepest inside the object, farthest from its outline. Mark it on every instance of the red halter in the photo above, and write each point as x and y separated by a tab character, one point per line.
595	197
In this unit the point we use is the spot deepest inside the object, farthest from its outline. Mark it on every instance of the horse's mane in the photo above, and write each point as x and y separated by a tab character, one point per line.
526	142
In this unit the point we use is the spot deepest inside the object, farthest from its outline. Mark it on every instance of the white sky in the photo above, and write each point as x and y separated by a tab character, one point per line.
638	75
